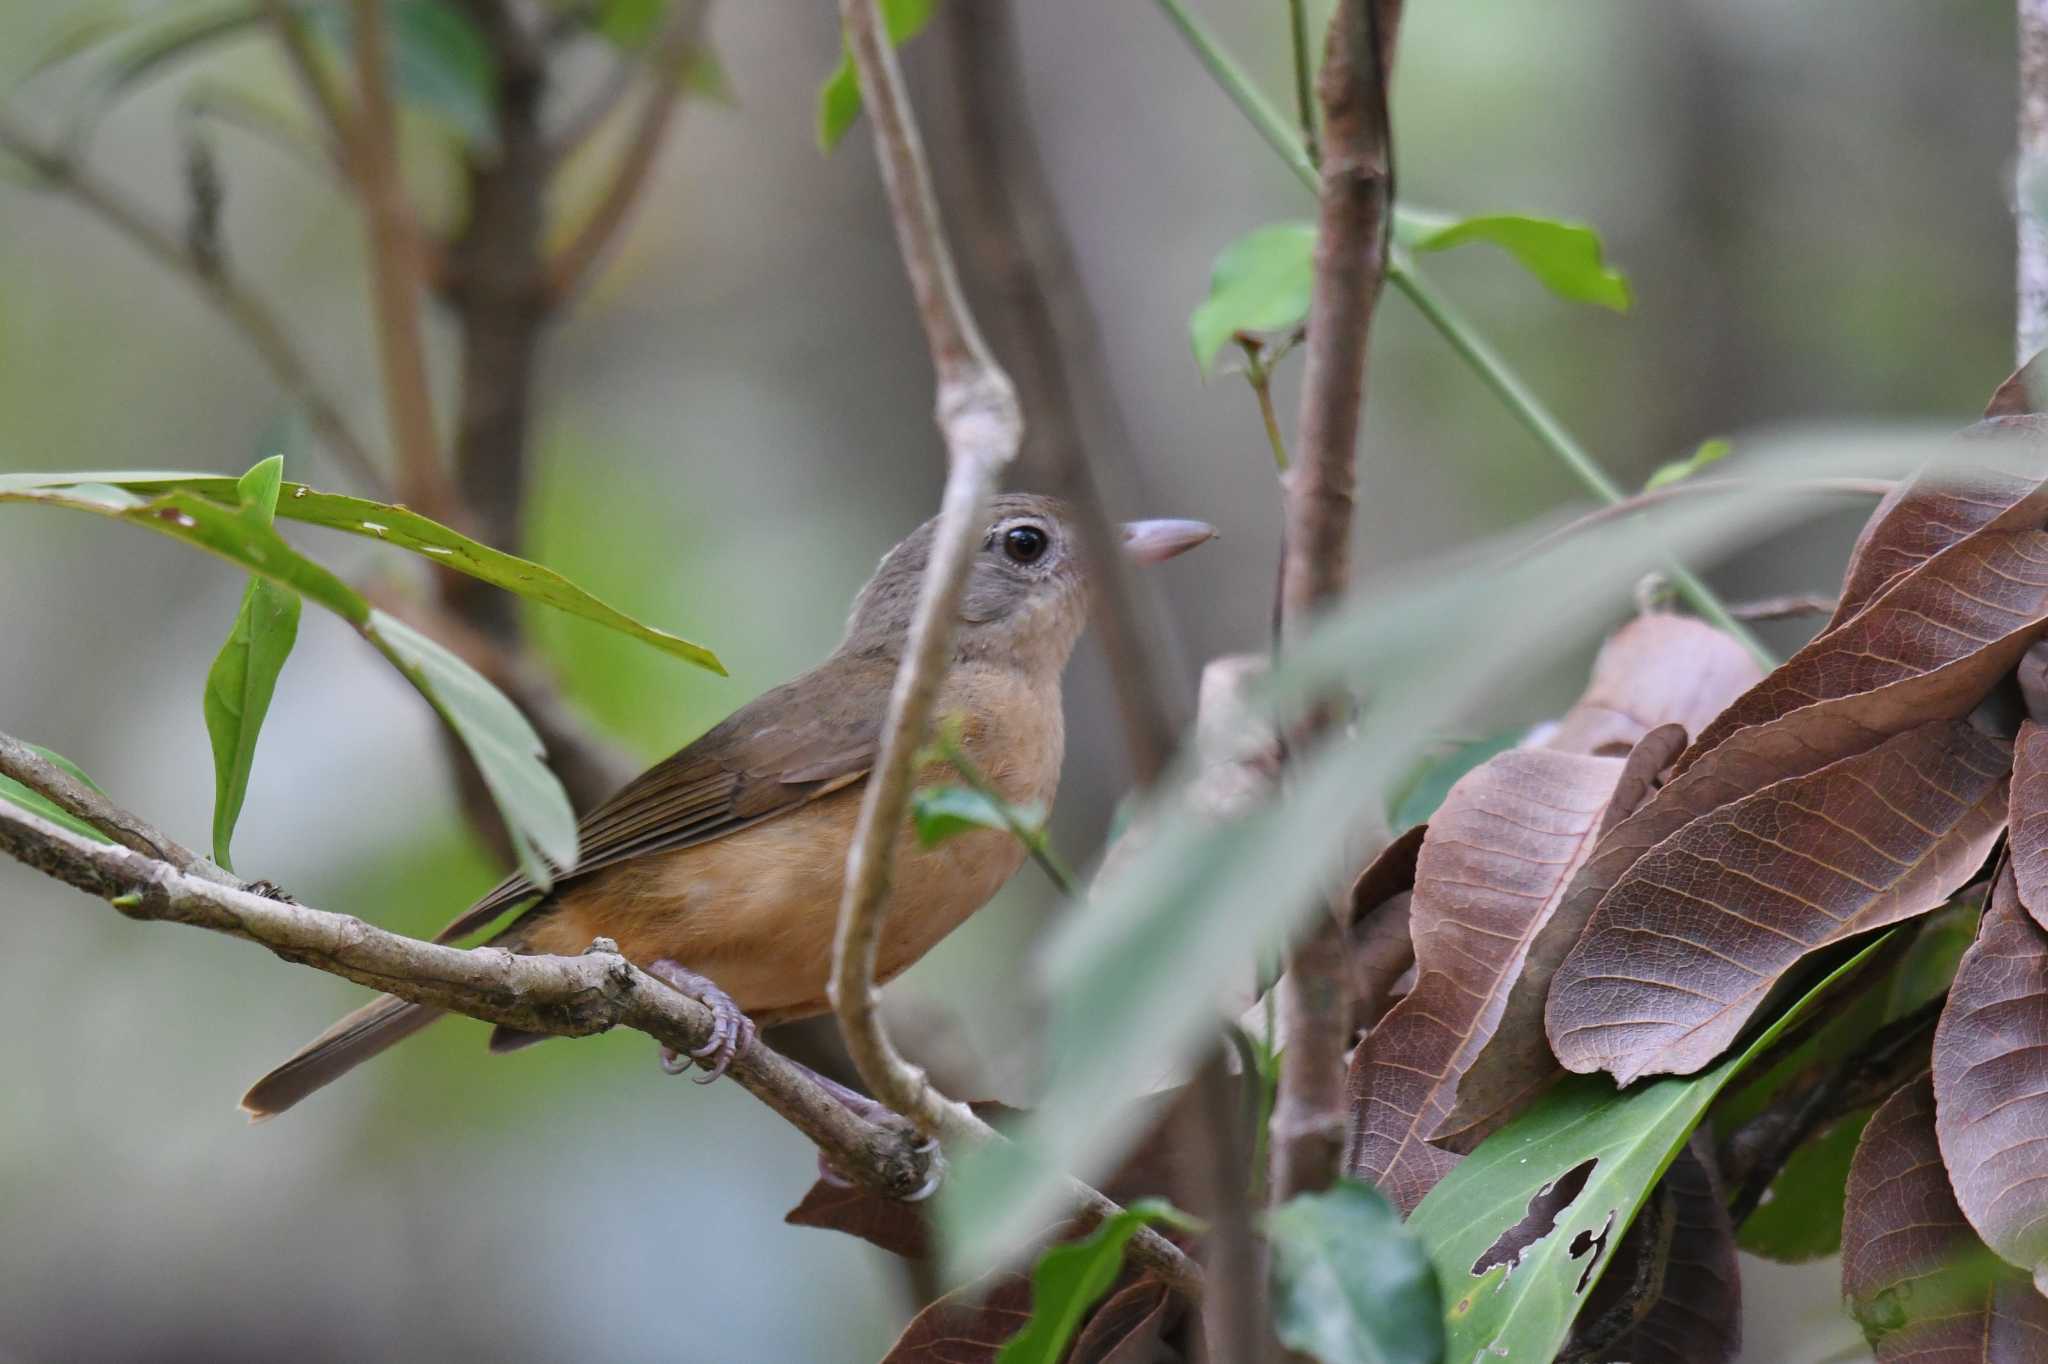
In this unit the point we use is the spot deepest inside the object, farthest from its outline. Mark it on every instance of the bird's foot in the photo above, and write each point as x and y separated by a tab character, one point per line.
732	1032
877	1112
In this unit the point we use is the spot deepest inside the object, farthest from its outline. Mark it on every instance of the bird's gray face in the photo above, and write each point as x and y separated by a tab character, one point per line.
1026	598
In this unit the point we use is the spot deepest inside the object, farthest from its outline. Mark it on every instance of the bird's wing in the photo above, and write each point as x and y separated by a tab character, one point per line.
779	751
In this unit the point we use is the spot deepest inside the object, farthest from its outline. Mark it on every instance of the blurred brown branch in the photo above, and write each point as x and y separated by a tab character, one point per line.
208	273
978	416
571	268
565	996
1352	230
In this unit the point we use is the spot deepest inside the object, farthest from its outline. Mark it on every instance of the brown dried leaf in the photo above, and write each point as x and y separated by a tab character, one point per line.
1497	857
897	1227
1695	1316
968	1325
1922	1286
1659	669
1929	648
2030	818
1917	520
1132	1327
1695	935
1991	1087
1515	1064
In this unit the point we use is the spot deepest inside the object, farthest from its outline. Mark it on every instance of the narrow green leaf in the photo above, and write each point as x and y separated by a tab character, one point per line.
1260	283
940	812
1526	1224
392	525
507	751
1351	1285
1710	452
244	676
839	96
36	803
1071	1277
1566	258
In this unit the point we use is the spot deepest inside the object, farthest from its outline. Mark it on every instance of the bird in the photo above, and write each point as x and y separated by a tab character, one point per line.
719	869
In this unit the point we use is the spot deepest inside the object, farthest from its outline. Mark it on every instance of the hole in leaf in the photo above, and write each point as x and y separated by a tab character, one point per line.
1544	1209
1588	1246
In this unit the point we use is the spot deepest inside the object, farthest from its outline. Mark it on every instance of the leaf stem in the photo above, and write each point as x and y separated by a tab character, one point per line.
1258	372
1304	95
1469	345
1031	836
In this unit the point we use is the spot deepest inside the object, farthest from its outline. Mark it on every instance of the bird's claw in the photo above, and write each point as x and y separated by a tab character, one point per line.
732	1032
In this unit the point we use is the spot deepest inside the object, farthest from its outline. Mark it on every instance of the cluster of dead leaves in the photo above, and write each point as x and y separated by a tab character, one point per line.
1637	889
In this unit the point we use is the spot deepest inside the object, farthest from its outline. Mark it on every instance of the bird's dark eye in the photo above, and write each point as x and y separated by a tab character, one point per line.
1024	544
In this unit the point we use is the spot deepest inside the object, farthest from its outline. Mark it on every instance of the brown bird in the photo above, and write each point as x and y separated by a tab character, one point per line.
724	862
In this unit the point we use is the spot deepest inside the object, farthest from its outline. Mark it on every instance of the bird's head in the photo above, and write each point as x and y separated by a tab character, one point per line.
1027	590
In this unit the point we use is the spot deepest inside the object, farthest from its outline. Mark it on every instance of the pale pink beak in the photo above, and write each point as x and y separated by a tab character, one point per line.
1149	542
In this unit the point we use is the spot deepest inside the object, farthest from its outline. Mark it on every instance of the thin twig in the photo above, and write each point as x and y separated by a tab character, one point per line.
565	996
1304	81
1785	607
1352	236
2030	333
396	269
572	266
329	104
978	416
234	300
1258	372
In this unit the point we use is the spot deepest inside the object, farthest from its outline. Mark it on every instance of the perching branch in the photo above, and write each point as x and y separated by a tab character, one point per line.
246	311
566	996
571	268
978	417
1352	234
21	762
396	271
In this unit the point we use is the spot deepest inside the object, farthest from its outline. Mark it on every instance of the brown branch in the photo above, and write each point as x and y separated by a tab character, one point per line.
978	417
1052	347
571	268
1352	229
565	996
396	273
21	762
259	327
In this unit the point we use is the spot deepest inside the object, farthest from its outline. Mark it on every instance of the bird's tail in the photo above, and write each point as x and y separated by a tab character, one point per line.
384	1022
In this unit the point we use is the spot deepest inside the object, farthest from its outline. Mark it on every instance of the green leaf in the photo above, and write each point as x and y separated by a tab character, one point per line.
1433	780
1710	452
1071	1277
1800	1218
505	748
395	526
36	803
1566	258
440	63
631	25
1526	1224
839	96
507	751
1260	283
940	812
1351	1285
244	676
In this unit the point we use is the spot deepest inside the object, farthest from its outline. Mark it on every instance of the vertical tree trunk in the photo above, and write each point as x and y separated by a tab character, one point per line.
2031	180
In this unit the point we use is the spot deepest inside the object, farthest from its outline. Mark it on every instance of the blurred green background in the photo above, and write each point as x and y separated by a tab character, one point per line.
1812	204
